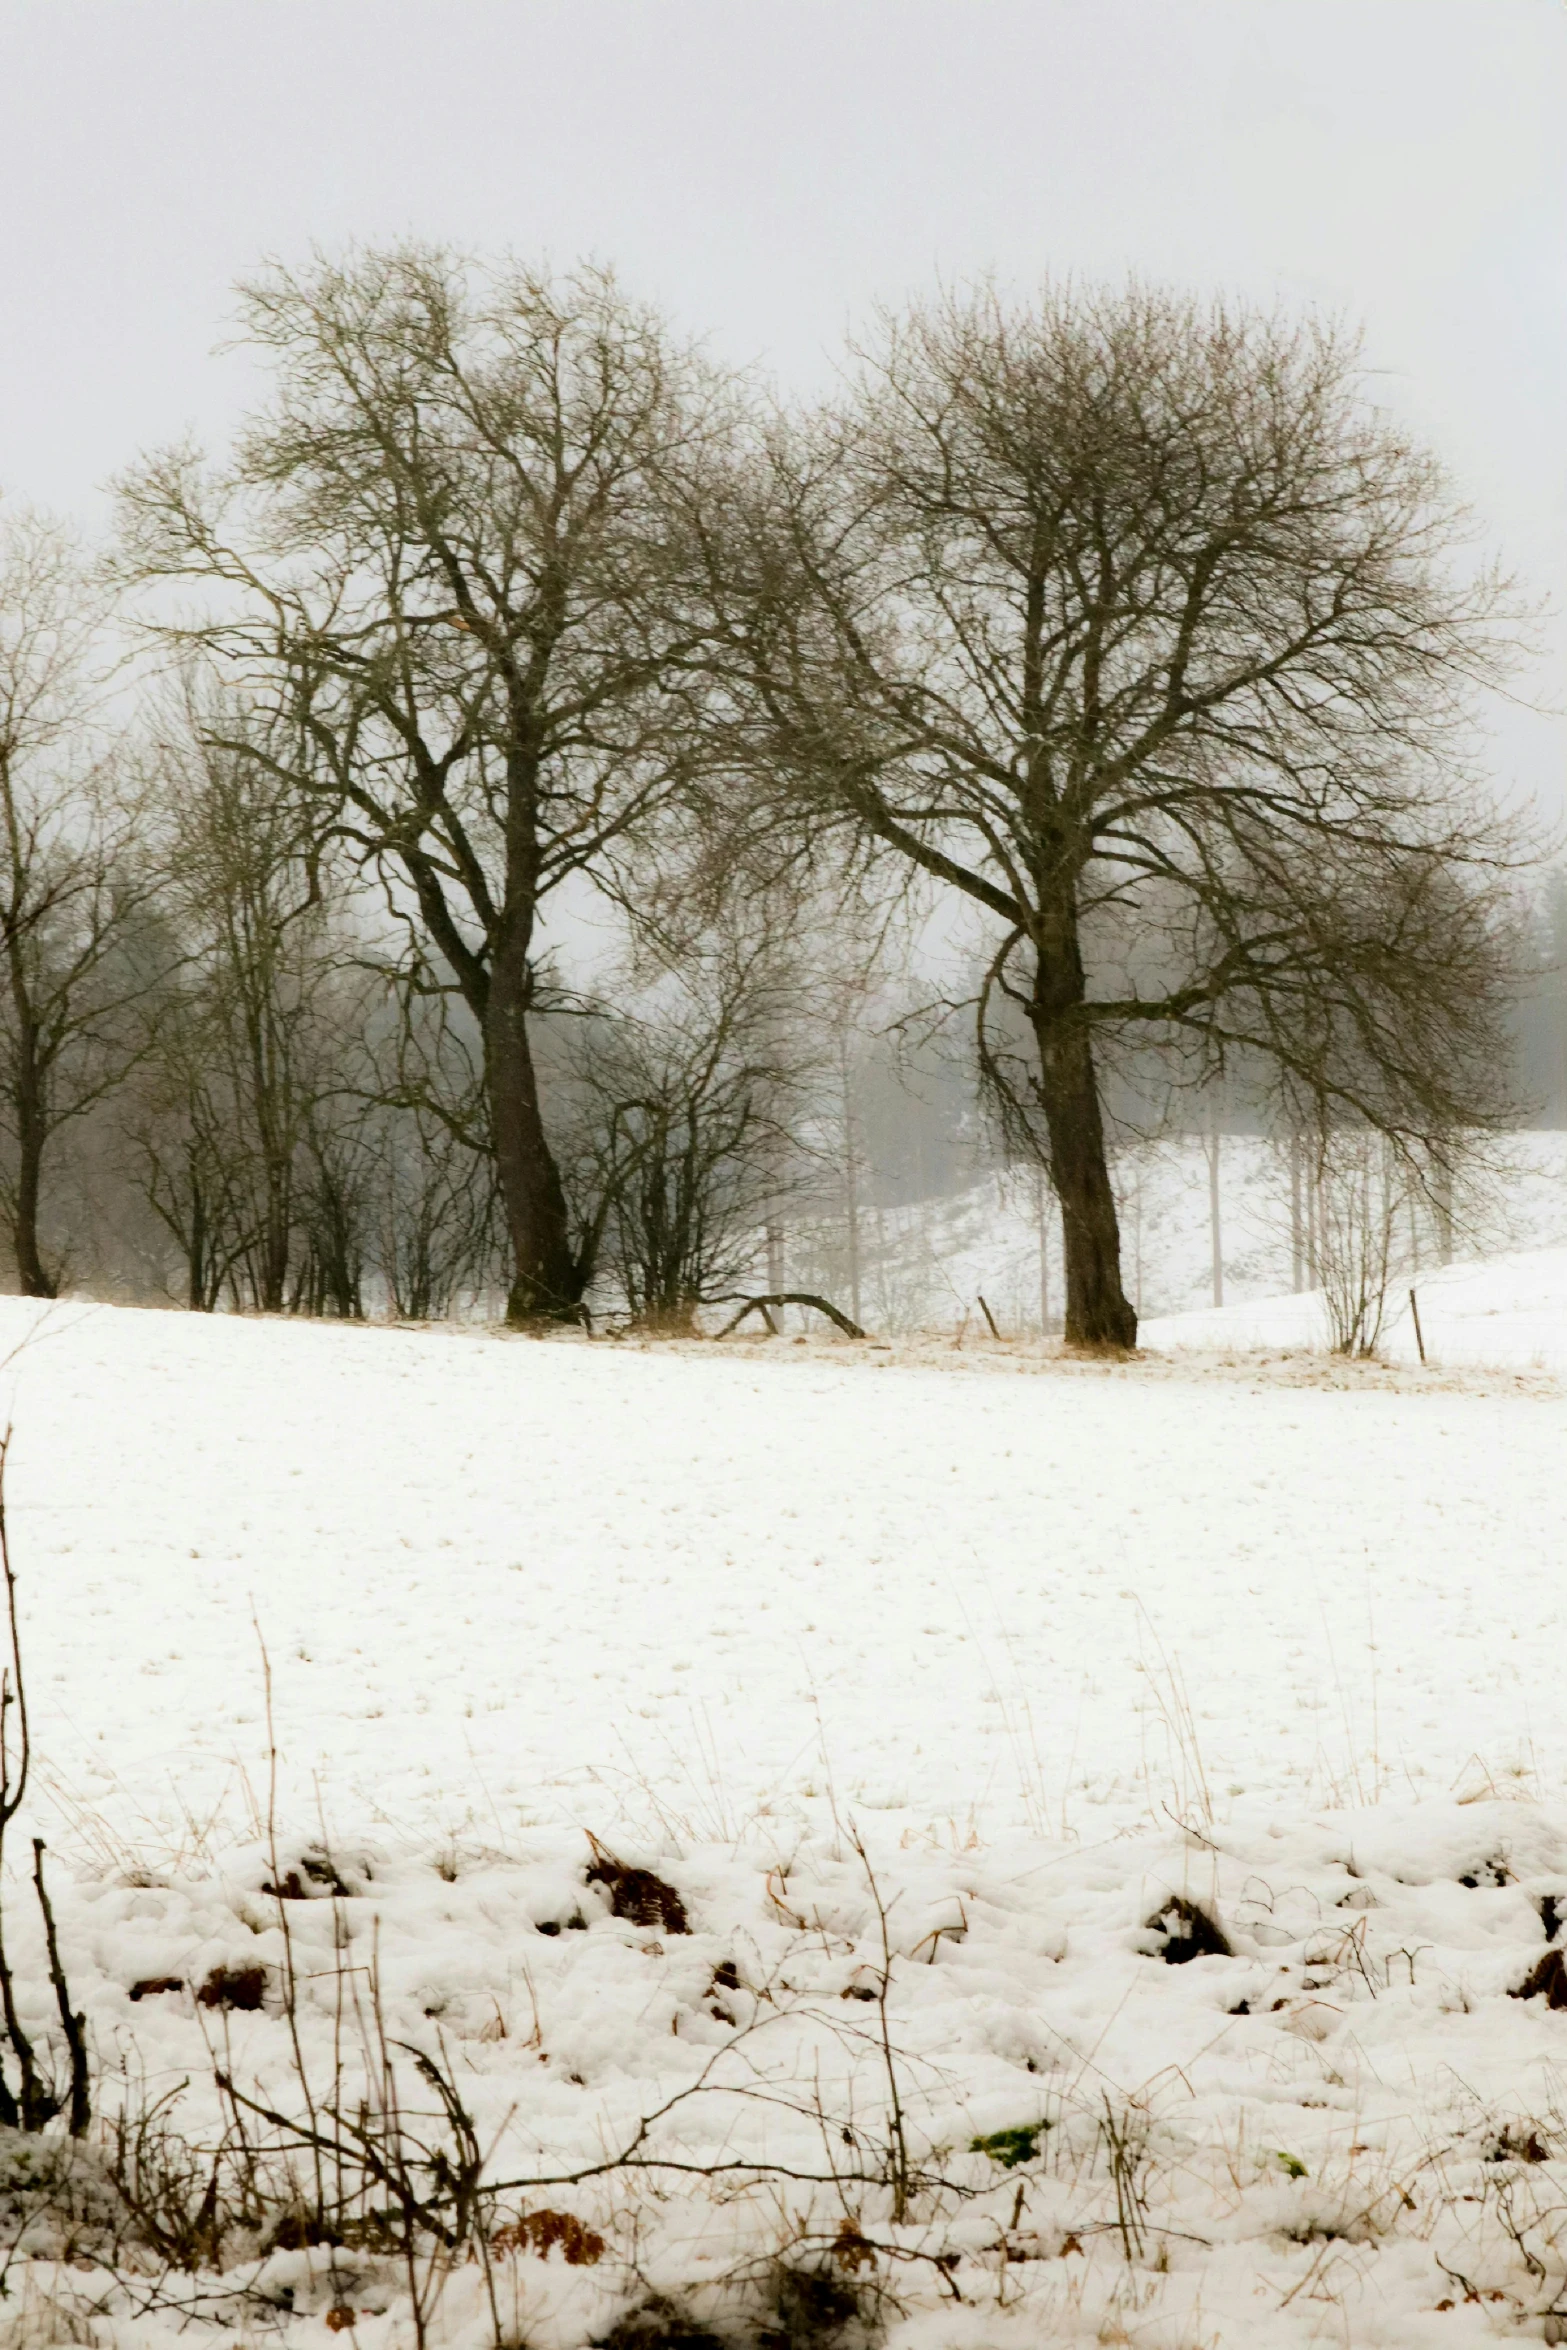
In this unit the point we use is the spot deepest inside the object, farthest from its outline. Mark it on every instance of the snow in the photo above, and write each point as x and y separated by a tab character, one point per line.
1059	1641
1509	1312
495	1574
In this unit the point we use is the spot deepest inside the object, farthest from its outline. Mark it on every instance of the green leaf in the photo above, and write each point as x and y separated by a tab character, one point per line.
1010	2147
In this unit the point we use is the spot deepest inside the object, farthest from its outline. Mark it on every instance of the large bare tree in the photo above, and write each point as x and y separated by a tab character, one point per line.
1130	621
445	564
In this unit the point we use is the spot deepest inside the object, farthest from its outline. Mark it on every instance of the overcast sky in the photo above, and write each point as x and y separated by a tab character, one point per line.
766	168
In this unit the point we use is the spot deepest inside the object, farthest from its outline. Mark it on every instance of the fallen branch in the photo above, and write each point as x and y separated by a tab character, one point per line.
786	1297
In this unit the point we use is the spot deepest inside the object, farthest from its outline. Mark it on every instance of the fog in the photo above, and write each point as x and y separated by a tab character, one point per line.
770	172
768	175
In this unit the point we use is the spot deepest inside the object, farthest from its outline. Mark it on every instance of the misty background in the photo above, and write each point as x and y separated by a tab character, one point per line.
768	174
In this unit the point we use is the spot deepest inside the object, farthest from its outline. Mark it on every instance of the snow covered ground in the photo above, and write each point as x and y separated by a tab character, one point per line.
497	1578
1060	1643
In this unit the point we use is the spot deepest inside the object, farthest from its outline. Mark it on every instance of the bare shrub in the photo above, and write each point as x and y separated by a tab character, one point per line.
1364	1201
690	1112
184	2202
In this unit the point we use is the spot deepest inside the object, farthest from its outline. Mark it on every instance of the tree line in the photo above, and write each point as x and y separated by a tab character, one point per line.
450	838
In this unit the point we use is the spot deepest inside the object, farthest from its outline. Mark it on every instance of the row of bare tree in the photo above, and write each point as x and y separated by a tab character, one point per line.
547	727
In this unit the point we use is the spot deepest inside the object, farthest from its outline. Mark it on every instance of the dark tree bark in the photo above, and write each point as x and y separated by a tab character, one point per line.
1097	1310
32	1128
547	1272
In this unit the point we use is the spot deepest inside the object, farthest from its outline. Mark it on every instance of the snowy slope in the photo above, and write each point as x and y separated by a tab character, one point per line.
1063	1643
1510	1312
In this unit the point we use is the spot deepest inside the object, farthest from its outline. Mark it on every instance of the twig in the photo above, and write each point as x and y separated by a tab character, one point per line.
72	2023
897	2137
290	1976
34	2106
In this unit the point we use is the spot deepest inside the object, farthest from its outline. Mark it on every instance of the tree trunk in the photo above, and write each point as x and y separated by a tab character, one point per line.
272	1098
1097	1309
32	1129
277	1233
851	1180
546	1281
196	1253
34	1280
30	1135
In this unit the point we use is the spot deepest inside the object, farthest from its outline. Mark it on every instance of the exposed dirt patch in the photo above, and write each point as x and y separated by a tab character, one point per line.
637	1895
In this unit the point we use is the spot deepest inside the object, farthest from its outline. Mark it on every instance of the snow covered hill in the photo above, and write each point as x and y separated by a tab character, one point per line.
1063	1647
1509	1313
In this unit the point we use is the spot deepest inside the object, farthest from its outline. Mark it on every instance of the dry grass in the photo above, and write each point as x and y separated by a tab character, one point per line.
1283	1367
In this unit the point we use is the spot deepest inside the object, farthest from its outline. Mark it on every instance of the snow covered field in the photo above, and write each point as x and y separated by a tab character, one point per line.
1061	1643
500	1579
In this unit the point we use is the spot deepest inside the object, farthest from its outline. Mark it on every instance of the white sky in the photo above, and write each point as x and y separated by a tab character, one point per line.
768	167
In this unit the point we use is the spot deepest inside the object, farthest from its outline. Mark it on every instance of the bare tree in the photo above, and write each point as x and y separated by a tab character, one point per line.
336	1215
438	1235
435	1222
445	561
691	1112
1128	620
70	894
236	1130
185	1158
